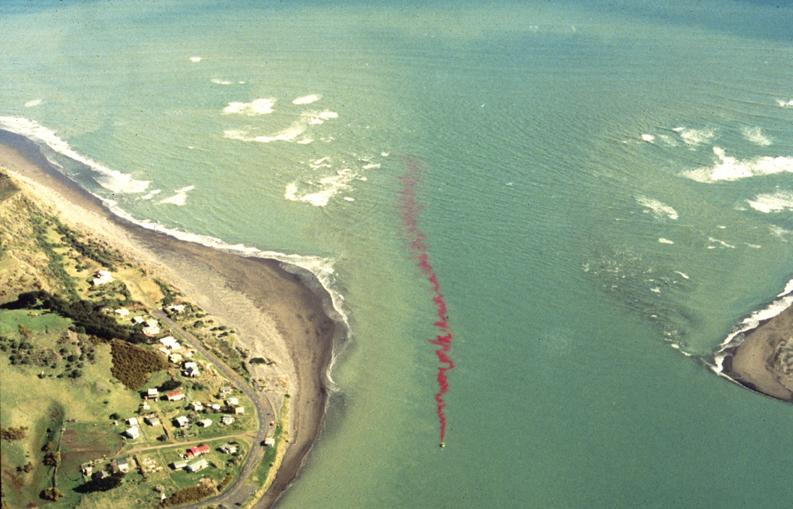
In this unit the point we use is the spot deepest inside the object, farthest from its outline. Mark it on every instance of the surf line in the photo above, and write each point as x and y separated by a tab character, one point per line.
417	242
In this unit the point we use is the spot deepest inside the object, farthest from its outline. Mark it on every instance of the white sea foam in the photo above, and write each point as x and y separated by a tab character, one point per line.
195	60
657	208
33	103
261	106
772	202
662	240
320	192
307	99
151	194
649	138
293	133
727	168
785	104
112	180
385	154
218	81
179	197
349	198
720	242
322	162
695	137
779	232
371	166
756	136
753	246
668	140
783	301
682	274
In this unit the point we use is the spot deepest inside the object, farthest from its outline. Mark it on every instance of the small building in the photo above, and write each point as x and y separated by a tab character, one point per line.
205	423
179	465
191	369
151	420
152	327
225	391
176	308
122	465
227	420
196	451
144	407
175	358
102	277
87	469
181	421
215	407
269	442
170	343
132	432
196	406
229	448
239	410
174	395
233	401
122	312
198	465
137	320
132	422
152	393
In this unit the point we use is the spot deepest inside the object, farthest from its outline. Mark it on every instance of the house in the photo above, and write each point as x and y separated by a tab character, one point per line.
175	358
132	422
101	277
205	423
176	308
196	406
233	401
122	312
197	466
144	407
229	448
225	391
191	369
178	465
122	465
269	442
239	410
87	469
152	327
215	407
181	421
174	395
132	432
227	420
152	393
196	451
151	420
137	320
170	343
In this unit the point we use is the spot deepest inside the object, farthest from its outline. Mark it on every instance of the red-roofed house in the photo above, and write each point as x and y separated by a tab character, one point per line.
175	395
198	450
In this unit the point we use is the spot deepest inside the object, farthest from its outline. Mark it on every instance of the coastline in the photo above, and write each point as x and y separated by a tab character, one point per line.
283	310
758	353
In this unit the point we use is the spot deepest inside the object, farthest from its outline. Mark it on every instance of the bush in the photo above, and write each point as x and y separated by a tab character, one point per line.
132	364
106	484
12	433
191	494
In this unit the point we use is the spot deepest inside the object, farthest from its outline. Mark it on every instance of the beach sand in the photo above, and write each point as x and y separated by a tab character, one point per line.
764	360
279	314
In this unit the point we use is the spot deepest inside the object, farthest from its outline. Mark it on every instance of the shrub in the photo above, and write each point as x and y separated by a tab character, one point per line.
191	494
11	433
132	364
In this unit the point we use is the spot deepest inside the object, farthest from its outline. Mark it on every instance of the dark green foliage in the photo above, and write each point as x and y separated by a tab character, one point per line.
12	433
168	294
132	364
51	494
191	494
88	248
100	484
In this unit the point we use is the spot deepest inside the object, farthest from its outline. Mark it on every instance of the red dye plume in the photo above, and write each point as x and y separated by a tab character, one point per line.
416	238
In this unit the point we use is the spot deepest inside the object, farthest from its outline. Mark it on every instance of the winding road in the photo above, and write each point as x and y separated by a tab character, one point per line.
239	492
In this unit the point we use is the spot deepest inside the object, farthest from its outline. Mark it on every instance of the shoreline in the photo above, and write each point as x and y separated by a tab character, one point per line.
758	353
283	309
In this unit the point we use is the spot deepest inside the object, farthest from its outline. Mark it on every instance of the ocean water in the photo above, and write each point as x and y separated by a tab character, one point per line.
606	192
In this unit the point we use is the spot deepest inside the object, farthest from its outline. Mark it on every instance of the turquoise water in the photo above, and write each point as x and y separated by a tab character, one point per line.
542	204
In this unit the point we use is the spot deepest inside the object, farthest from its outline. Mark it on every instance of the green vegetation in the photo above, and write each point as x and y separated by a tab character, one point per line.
92	249
191	494
11	433
7	187
133	364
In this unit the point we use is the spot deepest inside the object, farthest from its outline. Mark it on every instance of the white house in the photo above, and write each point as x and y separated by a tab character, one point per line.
181	421
170	342
215	407
227	420
205	423
122	465
122	312
102	277
132	422
137	320
176	308
269	442
178	465
233	401
229	448
152	393
196	406
191	369
239	410
198	465
175	358
132	432
152	327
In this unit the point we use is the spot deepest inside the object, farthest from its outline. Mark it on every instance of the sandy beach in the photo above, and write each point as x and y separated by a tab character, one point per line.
763	361
280	312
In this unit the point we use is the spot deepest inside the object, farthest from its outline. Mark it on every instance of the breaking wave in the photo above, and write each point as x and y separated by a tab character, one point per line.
261	106
772	202
307	99
657	208
695	137
728	168
756	135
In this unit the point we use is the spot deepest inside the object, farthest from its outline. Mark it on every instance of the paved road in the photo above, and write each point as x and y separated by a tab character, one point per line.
239	491
186	443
